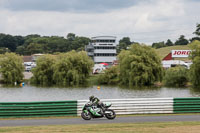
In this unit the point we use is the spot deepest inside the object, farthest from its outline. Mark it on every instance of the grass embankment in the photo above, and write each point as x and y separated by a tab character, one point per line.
162	52
153	127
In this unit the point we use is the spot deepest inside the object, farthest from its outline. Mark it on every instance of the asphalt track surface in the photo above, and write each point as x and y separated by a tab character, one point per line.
78	120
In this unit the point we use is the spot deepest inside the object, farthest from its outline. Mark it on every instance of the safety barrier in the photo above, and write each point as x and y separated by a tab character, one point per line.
136	106
38	109
121	106
186	105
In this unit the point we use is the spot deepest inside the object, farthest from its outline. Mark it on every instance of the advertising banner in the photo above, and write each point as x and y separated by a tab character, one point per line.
180	53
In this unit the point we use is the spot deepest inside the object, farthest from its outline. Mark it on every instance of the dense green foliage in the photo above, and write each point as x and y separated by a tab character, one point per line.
43	72
110	76
169	43
11	68
181	41
10	42
197	31
32	44
139	65
158	45
65	69
124	43
195	67
176	76
72	68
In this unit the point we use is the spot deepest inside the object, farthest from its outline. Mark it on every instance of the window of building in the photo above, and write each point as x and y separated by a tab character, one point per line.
101	47
107	41
104	54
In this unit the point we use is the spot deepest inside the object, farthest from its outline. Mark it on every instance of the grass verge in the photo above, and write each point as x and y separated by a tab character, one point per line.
153	127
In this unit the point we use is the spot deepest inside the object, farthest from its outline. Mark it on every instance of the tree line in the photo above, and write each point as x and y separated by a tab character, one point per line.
31	44
138	66
125	42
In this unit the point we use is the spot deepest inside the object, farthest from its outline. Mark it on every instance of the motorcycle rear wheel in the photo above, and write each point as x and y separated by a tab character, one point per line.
86	116
110	115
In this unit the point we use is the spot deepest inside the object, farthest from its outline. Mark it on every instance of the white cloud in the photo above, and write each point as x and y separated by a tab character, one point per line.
150	21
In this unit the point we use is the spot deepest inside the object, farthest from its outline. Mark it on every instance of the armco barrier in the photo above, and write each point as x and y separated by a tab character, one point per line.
39	109
186	105
121	106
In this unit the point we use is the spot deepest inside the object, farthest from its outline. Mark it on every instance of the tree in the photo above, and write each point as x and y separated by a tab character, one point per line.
58	44
195	67
22	50
43	72
123	44
20	40
79	43
11	68
197	32
71	36
169	43
35	48
72	68
158	45
8	41
139	65
181	41
194	38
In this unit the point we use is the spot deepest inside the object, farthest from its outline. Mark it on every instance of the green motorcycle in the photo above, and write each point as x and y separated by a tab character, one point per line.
91	111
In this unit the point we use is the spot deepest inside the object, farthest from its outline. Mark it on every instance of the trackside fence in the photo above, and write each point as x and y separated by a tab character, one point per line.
136	105
120	106
38	109
187	105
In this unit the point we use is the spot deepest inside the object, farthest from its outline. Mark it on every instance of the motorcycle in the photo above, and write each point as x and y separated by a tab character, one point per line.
92	111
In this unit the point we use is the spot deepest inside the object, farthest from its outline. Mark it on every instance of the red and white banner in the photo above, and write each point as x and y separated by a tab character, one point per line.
180	53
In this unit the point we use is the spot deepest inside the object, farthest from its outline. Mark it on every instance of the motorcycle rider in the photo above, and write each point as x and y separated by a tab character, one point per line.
96	102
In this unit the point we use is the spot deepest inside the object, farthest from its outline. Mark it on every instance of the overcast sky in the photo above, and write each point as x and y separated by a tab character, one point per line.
144	21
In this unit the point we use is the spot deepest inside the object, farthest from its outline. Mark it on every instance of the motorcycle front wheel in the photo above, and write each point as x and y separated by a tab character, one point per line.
110	114
86	115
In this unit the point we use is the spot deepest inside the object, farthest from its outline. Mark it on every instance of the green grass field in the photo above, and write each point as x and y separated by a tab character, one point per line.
153	127
162	52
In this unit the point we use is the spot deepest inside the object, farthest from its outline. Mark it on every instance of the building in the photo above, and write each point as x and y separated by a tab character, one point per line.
30	61
102	49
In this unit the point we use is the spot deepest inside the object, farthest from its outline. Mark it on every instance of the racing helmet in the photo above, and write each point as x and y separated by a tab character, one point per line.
91	98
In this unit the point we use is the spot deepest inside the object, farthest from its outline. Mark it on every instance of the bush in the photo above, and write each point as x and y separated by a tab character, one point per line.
176	76
11	68
110	76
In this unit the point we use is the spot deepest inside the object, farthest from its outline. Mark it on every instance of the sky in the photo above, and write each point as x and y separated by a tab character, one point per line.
144	21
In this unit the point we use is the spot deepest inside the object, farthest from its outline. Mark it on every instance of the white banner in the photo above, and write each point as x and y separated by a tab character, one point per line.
180	53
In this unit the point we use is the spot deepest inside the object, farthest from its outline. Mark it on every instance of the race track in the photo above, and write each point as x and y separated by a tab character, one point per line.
79	120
